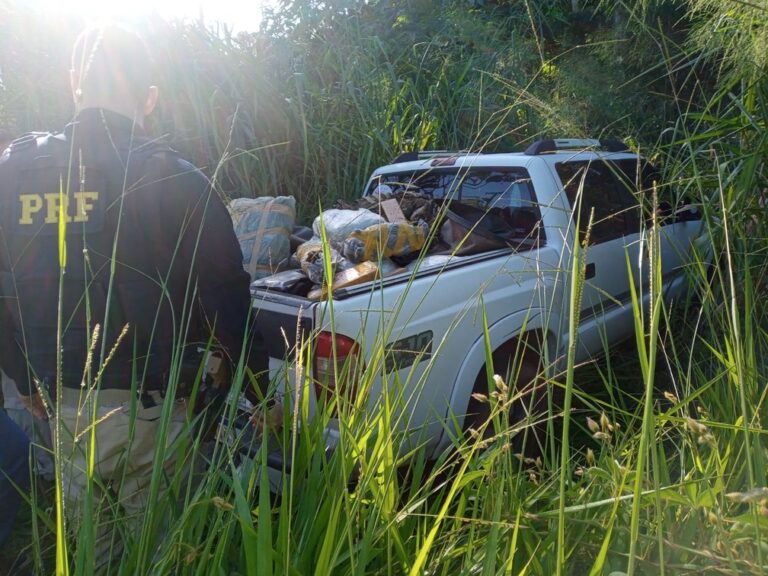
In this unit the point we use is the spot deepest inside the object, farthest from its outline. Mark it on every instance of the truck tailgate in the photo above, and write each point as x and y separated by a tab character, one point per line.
283	320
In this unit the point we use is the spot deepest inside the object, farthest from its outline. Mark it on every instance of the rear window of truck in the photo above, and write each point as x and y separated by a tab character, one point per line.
480	187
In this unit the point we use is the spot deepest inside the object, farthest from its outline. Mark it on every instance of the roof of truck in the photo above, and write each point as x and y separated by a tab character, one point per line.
551	151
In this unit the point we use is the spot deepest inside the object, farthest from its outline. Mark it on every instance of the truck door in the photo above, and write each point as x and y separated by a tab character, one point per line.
679	226
596	187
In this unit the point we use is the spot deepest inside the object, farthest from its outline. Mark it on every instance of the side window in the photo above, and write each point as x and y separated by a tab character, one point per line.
642	179
509	195
602	187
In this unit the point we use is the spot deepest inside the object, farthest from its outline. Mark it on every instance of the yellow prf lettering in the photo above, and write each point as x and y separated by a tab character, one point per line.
84	204
30	204
52	204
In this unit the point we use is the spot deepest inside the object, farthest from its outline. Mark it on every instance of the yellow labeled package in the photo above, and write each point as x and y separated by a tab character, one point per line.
384	240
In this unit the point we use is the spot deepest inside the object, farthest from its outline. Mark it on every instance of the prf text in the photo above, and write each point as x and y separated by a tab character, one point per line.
48	206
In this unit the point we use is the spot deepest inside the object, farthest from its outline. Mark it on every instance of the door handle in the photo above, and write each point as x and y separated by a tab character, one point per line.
589	272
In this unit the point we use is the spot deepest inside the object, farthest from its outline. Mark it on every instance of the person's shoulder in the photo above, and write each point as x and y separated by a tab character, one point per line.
32	140
23	150
175	179
27	141
184	166
164	158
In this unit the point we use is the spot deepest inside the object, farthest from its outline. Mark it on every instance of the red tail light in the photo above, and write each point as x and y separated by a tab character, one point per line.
336	364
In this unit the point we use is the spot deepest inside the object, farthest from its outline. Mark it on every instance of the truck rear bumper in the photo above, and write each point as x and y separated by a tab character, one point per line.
246	443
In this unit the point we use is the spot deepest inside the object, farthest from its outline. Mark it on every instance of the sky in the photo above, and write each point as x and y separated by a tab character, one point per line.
240	15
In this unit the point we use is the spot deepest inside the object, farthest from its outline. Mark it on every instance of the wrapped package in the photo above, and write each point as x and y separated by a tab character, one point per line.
339	224
311	260
384	240
290	281
263	227
317	293
364	272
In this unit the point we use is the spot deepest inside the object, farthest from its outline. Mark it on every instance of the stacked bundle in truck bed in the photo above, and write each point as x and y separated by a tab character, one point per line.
382	234
360	243
263	227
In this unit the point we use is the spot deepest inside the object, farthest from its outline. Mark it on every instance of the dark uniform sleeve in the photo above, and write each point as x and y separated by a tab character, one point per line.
222	283
211	248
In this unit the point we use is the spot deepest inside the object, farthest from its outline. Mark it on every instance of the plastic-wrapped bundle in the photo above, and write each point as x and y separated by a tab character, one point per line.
312	262
263	227
385	240
414	205
339	224
290	281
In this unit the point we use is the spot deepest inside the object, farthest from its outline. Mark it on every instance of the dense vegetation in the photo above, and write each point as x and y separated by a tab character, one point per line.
324	93
670	474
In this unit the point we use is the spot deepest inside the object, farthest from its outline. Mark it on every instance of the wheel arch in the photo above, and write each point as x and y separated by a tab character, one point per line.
505	332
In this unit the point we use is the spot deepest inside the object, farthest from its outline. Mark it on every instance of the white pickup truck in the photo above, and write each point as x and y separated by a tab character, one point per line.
422	332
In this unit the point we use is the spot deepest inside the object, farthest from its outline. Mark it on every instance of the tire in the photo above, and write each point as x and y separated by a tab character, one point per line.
519	362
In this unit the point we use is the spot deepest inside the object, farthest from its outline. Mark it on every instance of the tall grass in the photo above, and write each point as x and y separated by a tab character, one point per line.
477	509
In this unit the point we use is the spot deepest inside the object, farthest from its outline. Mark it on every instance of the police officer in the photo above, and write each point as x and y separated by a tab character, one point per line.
116	259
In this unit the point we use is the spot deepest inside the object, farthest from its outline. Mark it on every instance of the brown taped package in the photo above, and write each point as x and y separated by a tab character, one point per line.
363	272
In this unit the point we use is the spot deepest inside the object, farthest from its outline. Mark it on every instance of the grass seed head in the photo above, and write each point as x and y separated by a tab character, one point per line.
707	439
222	504
754	496
190	557
500	384
602	436
605	424
696	427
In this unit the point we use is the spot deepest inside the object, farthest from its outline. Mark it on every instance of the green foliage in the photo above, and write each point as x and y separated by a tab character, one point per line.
326	91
